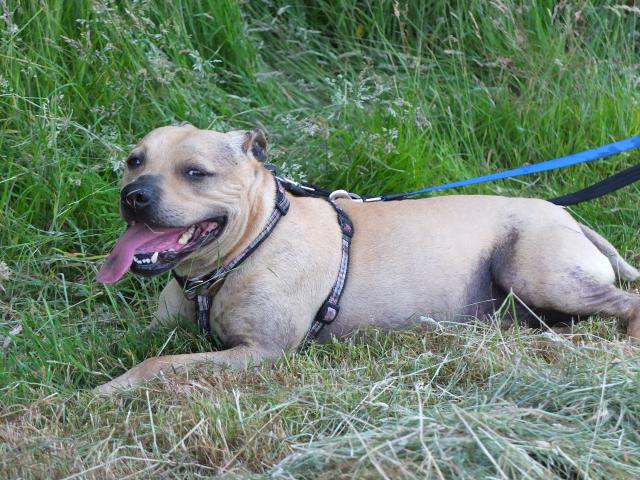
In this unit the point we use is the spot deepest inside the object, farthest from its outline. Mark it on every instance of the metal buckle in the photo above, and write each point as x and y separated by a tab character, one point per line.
337	194
329	309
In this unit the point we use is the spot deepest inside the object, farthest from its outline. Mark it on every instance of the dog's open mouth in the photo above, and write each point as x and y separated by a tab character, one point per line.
153	250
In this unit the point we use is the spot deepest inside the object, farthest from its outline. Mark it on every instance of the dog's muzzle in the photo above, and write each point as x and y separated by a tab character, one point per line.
150	246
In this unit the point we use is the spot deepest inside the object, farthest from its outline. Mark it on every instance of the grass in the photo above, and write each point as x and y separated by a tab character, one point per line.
370	96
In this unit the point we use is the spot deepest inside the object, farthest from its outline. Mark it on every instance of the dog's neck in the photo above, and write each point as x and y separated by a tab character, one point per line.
241	229
248	225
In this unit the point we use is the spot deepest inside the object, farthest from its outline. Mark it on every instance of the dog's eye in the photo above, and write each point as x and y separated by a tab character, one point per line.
195	173
134	162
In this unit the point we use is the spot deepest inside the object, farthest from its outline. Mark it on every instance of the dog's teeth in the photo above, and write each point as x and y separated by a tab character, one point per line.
186	236
154	257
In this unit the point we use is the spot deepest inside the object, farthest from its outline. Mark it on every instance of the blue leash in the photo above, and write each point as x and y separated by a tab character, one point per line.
562	162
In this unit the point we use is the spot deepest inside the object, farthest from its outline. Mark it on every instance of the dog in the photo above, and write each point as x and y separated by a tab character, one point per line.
194	199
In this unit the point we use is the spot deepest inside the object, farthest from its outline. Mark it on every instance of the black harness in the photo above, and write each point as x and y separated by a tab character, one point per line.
198	289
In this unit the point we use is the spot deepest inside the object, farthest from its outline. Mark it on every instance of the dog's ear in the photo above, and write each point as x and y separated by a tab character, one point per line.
255	144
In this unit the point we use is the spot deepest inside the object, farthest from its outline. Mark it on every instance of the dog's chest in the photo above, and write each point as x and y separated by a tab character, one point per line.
241	312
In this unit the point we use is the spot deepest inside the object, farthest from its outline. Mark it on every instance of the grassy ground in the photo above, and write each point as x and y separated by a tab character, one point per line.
372	96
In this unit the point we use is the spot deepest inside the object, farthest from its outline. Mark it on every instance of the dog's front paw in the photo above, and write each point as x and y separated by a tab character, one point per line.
111	387
139	374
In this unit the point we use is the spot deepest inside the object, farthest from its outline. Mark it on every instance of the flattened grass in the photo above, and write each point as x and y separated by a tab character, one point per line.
370	96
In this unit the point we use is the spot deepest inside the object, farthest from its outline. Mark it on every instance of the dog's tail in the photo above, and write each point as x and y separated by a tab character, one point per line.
623	270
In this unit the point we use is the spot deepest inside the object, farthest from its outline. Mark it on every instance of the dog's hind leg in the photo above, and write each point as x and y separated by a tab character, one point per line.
559	267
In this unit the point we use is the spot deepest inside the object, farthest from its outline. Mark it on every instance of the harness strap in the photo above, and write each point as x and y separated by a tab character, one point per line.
203	307
331	306
194	287
198	289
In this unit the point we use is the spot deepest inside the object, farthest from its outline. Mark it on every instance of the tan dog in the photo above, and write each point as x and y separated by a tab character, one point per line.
195	198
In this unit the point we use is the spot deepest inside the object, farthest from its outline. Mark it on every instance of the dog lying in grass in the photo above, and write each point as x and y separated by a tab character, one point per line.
196	200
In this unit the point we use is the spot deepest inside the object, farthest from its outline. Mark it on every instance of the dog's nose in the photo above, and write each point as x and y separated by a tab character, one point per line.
139	200
137	195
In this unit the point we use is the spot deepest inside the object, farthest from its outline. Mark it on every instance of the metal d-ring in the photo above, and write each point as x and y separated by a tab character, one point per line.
337	194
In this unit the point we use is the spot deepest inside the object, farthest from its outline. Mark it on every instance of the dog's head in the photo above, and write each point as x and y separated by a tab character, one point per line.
187	193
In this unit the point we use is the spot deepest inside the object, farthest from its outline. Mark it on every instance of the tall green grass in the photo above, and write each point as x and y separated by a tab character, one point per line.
373	96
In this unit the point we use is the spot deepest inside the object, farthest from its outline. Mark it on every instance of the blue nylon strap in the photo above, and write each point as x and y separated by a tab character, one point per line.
562	162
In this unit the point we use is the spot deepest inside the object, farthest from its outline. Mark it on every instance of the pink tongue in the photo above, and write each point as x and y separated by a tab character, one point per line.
138	238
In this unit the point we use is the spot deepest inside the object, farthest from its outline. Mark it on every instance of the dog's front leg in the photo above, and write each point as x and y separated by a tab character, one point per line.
172	308
236	357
